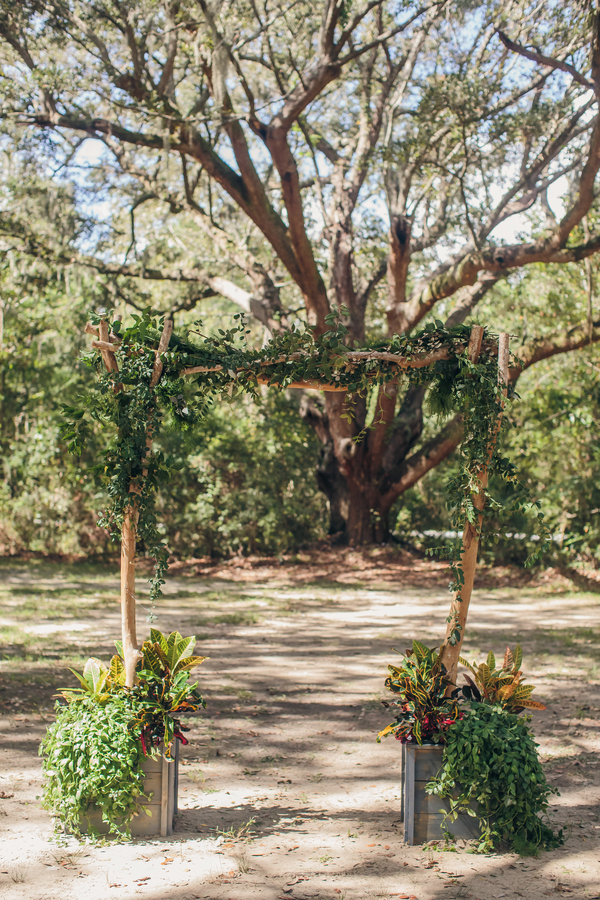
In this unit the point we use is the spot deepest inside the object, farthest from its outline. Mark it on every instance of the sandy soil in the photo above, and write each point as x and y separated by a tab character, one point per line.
284	792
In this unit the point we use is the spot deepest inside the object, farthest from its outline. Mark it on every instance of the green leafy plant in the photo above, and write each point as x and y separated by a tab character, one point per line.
491	771
424	713
163	691
97	681
92	758
500	686
94	750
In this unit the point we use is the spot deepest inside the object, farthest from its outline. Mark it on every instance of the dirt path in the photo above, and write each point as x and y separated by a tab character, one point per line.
284	792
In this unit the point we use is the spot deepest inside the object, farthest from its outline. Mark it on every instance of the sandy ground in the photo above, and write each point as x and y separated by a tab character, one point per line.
284	792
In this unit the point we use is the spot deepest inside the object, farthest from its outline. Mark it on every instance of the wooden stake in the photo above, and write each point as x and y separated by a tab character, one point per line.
162	346
460	604
131	653
128	624
105	345
128	538
107	355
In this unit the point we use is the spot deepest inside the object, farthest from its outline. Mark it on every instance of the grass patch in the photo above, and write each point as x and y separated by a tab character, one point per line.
240	693
236	618
15	641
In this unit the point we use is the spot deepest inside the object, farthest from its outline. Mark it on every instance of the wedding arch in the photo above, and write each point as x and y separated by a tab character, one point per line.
146	371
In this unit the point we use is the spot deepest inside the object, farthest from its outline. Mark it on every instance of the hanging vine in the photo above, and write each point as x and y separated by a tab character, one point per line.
196	368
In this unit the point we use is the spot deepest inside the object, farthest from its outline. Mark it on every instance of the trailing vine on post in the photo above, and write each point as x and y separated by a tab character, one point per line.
474	389
196	368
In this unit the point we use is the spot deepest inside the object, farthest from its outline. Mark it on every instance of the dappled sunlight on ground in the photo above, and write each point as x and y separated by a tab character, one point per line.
284	792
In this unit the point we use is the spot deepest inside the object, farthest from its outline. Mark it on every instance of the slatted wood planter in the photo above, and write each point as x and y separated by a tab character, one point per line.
421	811
162	781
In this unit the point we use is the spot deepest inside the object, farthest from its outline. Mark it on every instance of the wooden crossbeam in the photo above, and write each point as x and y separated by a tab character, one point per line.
107	353
352	358
306	385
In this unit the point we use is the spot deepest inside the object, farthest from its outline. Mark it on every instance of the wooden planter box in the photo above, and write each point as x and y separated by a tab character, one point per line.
162	781
421	811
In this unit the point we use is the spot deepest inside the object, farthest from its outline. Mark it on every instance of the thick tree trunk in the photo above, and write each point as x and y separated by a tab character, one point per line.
358	476
358	514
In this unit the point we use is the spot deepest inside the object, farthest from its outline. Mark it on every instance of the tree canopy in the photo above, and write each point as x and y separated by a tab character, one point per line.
395	159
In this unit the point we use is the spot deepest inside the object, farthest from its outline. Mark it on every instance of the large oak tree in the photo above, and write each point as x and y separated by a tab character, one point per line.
299	156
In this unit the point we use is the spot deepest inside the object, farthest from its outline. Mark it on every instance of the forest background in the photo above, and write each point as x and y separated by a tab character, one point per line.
87	225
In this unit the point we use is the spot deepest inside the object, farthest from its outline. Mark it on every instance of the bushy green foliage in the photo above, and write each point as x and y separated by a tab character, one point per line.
554	442
48	502
92	758
242	480
492	770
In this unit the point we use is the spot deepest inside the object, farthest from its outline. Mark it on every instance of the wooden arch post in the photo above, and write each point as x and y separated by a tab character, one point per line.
472	531
106	344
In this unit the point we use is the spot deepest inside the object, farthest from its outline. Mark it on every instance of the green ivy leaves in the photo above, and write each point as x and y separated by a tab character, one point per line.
92	759
491	767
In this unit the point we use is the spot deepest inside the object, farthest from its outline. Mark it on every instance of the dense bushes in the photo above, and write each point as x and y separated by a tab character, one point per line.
553	443
244	479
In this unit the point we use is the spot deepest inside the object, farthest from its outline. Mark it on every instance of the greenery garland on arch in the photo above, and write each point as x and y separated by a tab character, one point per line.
146	372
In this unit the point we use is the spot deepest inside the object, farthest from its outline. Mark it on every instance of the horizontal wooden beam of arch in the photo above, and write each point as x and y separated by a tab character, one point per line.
351	359
306	385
